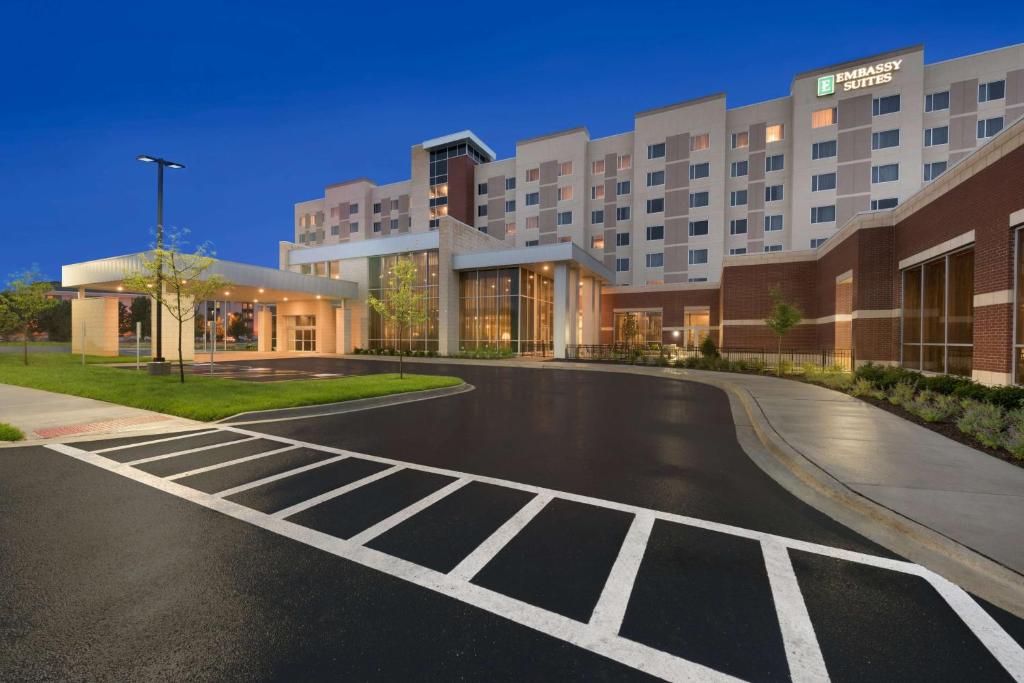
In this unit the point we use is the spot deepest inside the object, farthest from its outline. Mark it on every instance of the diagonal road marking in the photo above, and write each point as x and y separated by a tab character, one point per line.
229	463
367	535
802	651
611	606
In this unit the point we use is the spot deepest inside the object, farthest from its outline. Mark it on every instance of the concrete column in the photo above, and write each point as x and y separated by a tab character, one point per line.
562	318
590	294
264	333
96	318
344	323
572	332
170	332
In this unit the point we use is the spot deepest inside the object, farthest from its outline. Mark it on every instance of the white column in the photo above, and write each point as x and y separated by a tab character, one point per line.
561	322
590	295
572	332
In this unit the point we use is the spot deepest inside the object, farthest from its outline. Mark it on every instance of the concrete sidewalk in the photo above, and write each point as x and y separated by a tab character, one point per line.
46	415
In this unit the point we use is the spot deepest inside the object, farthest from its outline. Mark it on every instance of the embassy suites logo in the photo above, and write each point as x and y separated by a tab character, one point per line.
861	77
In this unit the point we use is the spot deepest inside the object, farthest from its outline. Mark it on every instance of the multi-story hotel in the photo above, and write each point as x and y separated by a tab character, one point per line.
882	195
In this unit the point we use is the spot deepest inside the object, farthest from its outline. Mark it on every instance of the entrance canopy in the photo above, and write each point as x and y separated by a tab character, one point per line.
540	258
249	283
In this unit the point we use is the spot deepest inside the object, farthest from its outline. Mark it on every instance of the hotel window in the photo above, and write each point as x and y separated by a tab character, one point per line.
565	168
532	175
823	150
623	187
699	142
394	224
887	203
773	193
989	127
698	228
885	138
775	162
934	170
597	192
510	229
565	193
890	104
647	325
700	170
656	205
1018	341
510	183
532	222
481	188
625	162
394	205
740	140
352	209
622	265
994	90
738	198
622	239
597	216
655	260
622	213
597	242
823	214
738	226
655	232
597	167
376	226
737	251
697	279
773	247
696	257
738	169
656	151
696	323
353	227
303	333
482	228
937	101
698	199
886	173
510	206
938	314
532	243
376	208
564	218
936	136
823	117
773	223
774	133
818	241
335	229
532	198
655	178
823	181
481	210
302	238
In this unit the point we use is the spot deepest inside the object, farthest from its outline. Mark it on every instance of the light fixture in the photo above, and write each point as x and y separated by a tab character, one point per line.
261	290
545	267
317	296
255	301
286	298
120	288
227	293
675	333
146	158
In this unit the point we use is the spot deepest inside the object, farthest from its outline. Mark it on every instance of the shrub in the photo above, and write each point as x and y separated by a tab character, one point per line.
984	421
1006	397
708	348
901	393
840	381
886	377
862	387
785	367
944	384
933	407
1013	439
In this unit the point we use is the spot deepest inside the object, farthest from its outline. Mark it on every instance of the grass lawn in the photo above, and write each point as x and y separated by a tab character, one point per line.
10	433
200	398
34	343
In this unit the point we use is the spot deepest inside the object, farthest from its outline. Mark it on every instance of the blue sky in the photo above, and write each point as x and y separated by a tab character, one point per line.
267	102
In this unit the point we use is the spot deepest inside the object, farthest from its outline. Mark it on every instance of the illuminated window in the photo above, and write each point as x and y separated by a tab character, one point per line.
532	175
510	229
774	133
823	117
597	192
699	142
625	162
532	222
565	193
597	167
597	242
938	315
740	140
565	168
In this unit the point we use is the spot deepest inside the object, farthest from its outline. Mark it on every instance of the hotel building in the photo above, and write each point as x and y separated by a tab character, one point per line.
689	218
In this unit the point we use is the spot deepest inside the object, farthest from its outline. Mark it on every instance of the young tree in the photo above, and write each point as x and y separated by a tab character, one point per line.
184	278
784	317
630	328
403	305
23	303
237	327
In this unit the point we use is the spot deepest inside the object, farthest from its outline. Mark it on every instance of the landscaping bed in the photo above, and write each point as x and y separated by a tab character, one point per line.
10	432
200	397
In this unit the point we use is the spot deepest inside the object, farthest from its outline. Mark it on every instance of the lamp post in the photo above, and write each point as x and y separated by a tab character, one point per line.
160	164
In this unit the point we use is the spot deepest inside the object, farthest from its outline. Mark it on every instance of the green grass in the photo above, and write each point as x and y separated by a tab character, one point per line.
200	398
34	343
10	432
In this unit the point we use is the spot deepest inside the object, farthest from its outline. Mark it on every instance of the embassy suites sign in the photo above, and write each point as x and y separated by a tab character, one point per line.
861	77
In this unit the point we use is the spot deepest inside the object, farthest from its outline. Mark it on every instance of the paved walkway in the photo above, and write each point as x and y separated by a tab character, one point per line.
46	415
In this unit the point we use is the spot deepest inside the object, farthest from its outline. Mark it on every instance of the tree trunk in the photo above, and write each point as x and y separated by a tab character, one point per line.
26	345
181	361
778	362
401	368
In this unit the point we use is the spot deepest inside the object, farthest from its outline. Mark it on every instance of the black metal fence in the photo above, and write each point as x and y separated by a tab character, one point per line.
653	353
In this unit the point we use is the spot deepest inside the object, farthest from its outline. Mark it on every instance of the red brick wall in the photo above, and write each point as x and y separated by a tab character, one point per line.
461	190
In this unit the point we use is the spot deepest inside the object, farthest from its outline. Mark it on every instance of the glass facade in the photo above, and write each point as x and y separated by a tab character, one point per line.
938	315
302	333
384	334
509	308
648	326
1018	312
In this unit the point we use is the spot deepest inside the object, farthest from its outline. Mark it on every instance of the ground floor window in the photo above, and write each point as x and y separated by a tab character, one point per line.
696	325
511	309
637	326
385	334
303	333
938	314
1018	324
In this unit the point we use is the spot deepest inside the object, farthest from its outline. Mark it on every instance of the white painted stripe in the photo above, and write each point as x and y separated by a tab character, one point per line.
611	606
485	552
274	477
229	463
802	651
147	443
367	535
316	500
1004	648
640	657
208	447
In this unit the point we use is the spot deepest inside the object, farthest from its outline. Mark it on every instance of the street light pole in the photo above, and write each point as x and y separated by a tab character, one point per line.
160	164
